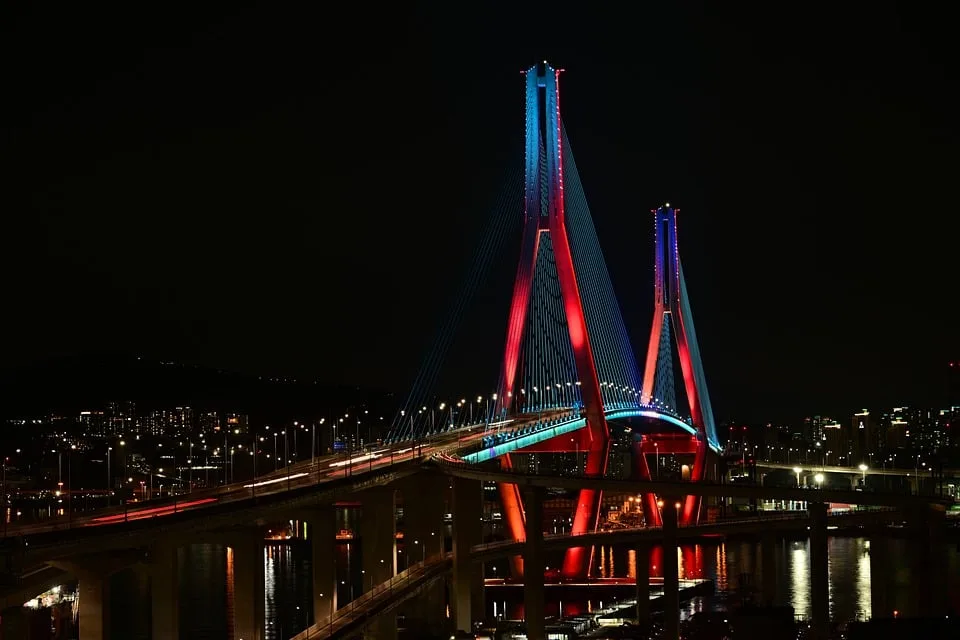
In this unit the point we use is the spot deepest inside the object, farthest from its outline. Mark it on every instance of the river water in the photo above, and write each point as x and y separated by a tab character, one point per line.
206	598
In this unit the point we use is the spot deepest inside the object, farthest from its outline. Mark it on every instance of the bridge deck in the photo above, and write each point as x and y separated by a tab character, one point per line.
517	438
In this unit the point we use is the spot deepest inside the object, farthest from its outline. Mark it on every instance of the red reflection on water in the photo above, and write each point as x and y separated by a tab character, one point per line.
692	558
656	562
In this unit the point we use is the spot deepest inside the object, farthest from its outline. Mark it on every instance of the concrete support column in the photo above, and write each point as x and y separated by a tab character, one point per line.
768	569
424	503
378	541
643	584
378	536
930	561
468	603
819	574
323	533
94	596
246	554
534	564
165	591
879	579
671	572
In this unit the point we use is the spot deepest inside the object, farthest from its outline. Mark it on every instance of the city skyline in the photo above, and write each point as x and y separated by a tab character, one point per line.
223	264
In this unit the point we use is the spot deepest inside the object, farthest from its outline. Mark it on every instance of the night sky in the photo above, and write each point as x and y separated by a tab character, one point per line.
280	191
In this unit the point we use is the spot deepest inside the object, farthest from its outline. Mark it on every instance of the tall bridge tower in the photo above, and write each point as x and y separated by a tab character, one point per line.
673	324
546	239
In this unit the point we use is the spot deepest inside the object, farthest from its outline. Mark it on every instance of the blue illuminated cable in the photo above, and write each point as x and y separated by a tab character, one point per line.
587	254
627	371
485	251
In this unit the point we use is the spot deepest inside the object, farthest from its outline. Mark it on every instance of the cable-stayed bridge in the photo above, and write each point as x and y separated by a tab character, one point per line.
566	346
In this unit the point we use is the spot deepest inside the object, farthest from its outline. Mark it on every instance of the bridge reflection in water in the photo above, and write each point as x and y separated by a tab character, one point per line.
205	586
735	567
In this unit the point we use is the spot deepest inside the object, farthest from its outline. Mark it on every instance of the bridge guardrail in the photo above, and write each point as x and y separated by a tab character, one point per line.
357	608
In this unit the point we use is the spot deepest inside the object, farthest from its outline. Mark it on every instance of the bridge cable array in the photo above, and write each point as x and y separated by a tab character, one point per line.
410	421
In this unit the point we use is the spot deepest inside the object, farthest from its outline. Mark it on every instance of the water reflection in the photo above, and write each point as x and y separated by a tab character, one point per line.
207	598
736	569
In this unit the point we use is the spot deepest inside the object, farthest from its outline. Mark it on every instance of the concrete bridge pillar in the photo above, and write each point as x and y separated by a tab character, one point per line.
468	587
819	574
378	542
424	503
93	588
643	584
323	533
94	596
768	568
534	564
929	560
245	556
165	591
671	569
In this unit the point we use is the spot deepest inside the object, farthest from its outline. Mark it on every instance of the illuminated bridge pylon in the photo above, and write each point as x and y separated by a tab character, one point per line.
566	345
673	325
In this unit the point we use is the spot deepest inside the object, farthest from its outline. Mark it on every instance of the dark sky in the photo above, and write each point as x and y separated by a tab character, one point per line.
296	191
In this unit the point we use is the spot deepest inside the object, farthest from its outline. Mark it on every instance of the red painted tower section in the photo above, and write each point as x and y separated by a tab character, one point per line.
544	213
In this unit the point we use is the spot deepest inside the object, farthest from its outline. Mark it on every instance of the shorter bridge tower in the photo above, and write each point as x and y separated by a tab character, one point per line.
673	326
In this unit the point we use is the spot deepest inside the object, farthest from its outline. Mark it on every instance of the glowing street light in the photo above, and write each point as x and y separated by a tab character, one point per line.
797	470
863	472
818	479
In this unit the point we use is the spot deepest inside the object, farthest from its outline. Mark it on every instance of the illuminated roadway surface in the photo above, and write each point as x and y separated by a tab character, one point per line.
303	474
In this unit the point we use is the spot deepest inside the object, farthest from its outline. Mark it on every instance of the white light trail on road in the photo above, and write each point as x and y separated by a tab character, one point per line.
275	480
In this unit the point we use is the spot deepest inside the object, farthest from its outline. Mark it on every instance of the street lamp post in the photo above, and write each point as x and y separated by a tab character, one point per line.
797	471
863	474
70	482
189	466
276	459
4	461
819	480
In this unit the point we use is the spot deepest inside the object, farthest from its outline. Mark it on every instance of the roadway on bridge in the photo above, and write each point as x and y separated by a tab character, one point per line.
870	471
307	473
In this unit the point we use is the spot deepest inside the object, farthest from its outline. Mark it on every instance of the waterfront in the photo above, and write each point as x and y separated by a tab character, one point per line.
206	598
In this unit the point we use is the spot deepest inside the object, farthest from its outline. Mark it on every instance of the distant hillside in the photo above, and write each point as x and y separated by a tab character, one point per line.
84	382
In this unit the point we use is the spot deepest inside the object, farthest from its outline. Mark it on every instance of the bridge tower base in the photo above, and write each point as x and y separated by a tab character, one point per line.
671	573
